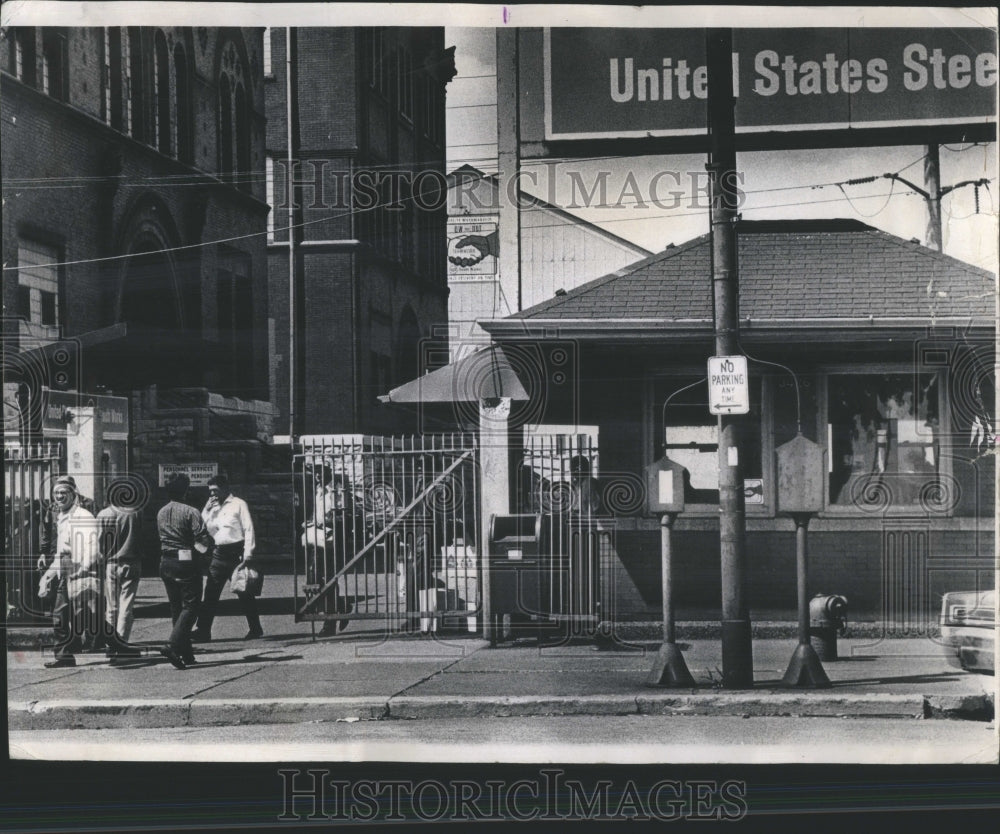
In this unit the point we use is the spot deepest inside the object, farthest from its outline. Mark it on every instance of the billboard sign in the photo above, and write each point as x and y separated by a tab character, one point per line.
614	83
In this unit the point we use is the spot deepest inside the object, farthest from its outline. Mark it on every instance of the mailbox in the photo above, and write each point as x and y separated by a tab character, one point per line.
515	543
801	472
664	487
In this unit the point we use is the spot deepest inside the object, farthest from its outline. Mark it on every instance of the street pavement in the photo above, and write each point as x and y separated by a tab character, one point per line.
373	672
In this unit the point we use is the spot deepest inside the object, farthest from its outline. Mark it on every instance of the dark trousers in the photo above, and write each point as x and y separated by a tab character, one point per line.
68	631
225	558
182	581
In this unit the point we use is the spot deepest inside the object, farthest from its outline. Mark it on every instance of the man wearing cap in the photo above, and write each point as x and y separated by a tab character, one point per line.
182	532
73	549
47	534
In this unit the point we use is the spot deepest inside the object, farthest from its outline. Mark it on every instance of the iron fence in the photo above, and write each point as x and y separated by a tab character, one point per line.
388	530
28	472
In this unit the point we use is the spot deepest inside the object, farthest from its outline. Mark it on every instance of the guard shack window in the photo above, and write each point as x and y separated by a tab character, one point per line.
883	434
689	436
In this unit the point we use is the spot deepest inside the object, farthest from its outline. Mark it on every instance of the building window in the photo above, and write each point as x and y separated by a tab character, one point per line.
21	63
38	285
406	84
225	128
381	367
234	120
182	104
54	64
243	172
111	77
161	86
883	432
377	65
234	305
133	83
689	436
268	70
269	196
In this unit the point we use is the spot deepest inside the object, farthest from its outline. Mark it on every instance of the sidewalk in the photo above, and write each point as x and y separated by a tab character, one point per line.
371	673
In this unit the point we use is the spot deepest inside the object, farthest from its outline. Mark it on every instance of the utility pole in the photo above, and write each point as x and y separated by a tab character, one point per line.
737	650
932	182
933	193
291	116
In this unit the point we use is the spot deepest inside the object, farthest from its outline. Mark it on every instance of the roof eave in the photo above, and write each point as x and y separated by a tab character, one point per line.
871	328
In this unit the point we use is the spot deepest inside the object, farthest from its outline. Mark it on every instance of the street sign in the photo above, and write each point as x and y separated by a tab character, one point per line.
728	386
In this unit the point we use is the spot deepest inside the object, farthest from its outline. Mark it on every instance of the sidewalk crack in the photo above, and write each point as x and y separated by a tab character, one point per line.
423	680
219	683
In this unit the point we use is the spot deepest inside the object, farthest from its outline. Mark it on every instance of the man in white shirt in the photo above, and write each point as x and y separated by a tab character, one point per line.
75	563
228	521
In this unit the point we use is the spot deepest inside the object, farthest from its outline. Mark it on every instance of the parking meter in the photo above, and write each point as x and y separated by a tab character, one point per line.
801	472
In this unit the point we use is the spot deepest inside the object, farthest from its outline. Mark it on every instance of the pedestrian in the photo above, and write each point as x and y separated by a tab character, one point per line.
121	553
228	521
182	532
47	531
72	546
327	536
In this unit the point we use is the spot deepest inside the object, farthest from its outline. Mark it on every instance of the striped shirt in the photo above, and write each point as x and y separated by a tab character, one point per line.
180	526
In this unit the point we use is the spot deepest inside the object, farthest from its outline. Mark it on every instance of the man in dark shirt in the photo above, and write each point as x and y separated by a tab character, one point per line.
121	553
182	532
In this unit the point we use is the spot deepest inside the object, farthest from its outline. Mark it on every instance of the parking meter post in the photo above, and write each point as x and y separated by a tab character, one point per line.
669	668
805	669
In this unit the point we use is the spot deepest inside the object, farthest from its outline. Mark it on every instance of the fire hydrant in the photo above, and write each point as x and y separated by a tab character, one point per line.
827	617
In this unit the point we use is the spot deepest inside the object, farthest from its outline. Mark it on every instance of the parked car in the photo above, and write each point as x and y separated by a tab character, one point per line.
968	630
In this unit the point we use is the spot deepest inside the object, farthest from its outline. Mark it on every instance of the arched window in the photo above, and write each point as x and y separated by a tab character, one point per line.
242	139
234	117
183	98
113	76
164	128
225	128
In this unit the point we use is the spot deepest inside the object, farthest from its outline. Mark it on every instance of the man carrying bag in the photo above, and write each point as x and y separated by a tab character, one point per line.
228	520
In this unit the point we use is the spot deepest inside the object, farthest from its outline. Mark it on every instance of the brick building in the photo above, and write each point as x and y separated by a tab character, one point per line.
133	162
885	353
368	117
134	233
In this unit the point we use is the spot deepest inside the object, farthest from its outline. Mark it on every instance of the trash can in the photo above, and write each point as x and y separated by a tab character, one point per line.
515	546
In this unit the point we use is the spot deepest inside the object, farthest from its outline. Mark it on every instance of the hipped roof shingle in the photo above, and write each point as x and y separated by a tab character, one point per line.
789	269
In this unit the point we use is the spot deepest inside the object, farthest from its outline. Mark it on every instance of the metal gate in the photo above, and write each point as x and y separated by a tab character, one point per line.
558	478
388	530
27	473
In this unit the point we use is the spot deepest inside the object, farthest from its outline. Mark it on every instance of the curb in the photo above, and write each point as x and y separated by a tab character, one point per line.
25	637
203	712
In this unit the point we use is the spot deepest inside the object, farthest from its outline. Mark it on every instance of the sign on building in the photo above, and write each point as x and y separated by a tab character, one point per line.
472	248
728	385
111	413
606	83
199	473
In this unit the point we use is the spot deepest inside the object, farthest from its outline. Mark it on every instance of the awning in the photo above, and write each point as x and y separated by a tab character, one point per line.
486	374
